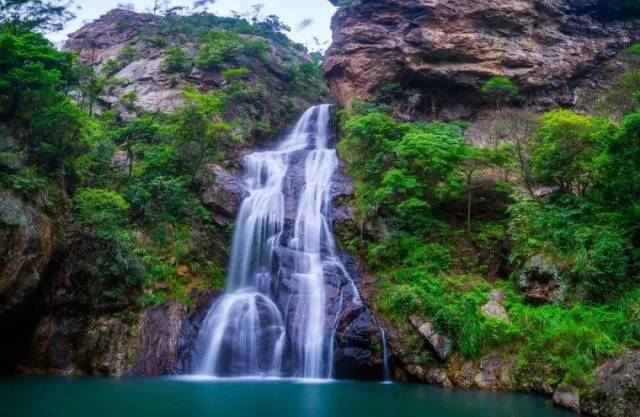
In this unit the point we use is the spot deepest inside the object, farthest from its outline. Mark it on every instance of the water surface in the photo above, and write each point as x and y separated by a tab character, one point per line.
173	397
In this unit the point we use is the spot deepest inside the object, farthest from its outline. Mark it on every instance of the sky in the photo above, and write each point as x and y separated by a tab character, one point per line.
308	19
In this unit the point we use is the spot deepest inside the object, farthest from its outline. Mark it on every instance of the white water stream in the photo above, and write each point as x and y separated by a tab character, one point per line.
272	320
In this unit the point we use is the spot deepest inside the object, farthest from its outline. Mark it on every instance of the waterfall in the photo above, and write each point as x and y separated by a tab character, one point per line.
275	318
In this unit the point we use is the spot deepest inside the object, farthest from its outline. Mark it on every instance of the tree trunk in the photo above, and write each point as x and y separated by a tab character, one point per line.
469	196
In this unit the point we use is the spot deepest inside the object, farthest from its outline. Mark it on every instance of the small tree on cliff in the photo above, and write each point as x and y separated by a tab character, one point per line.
500	88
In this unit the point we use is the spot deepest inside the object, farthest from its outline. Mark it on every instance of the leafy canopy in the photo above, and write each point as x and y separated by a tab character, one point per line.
21	16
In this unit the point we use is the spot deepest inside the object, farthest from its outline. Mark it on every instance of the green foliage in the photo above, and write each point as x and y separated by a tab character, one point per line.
99	207
129	188
235	73
568	149
414	176
453	302
32	74
127	55
589	246
111	67
21	16
221	47
176	60
571	341
129	99
500	88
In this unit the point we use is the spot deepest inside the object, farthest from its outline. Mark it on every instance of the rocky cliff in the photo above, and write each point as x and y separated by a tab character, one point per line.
430	57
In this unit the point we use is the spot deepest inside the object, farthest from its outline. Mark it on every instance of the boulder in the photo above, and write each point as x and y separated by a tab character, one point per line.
223	192
495	308
540	281
439	344
491	372
567	396
27	245
616	391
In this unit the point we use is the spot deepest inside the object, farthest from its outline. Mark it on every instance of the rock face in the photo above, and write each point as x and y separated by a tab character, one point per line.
123	343
439	52
146	38
223	193
104	39
27	244
616	392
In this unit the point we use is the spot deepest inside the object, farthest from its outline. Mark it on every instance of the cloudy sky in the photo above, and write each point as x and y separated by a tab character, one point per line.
309	19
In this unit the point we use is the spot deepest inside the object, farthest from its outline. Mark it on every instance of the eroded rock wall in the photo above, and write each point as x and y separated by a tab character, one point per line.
441	51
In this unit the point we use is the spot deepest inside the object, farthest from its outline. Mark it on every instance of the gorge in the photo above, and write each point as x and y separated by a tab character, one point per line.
455	232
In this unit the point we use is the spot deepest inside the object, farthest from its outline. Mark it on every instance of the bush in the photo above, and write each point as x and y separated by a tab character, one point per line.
568	150
235	73
176	60
223	47
99	207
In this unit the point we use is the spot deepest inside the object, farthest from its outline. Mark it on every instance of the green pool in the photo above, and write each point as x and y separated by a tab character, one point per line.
189	397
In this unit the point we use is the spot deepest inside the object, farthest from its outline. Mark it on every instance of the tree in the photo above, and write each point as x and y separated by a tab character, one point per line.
140	129
90	84
623	96
32	74
272	23
176	60
471	167
517	128
157	6
21	16
221	46
500	88
199	129
568	150
620	182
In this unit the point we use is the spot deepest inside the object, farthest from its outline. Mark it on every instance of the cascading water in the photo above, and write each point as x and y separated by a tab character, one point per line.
276	318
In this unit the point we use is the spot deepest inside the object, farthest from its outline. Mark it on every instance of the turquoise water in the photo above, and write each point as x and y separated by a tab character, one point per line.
170	397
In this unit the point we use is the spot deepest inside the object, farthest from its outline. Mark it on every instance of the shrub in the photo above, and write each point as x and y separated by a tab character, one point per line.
99	207
235	73
176	60
224	47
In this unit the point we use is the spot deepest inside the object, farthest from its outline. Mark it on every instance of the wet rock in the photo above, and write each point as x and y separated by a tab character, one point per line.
27	245
495	307
540	281
76	342
161	329
439	344
567	396
431	375
223	192
616	391
493	372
